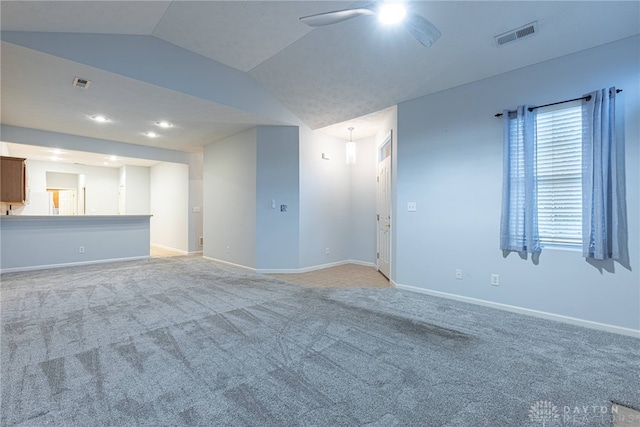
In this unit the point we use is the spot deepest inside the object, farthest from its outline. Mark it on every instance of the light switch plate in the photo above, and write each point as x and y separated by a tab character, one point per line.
412	207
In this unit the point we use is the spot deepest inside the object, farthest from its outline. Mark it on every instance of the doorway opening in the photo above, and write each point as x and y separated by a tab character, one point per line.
62	201
67	193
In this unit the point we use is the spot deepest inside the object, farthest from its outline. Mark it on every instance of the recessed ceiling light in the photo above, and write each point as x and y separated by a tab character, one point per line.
105	163
113	158
163	124
151	134
56	151
100	118
391	13
55	158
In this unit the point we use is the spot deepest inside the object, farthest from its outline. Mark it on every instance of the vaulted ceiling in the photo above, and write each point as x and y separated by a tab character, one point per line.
217	67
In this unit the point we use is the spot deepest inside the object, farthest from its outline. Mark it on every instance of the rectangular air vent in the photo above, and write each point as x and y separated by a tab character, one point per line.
81	83
517	34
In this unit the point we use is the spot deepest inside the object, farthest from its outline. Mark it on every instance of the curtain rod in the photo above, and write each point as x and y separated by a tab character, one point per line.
586	98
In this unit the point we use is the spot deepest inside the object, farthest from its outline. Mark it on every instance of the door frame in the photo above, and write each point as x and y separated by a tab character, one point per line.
388	140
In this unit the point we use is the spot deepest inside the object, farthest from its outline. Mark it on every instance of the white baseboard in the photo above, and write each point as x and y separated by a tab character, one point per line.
292	270
169	248
244	267
529	312
312	268
363	263
70	264
194	253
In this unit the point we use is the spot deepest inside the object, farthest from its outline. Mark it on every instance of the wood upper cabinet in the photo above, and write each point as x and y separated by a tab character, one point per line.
13	183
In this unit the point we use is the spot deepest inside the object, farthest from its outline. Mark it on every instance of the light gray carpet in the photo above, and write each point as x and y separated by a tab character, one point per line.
185	341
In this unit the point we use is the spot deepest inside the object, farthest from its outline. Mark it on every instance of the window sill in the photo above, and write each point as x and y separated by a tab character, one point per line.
562	248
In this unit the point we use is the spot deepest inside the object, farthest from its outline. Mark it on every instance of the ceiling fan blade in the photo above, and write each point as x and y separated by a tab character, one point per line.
424	31
328	18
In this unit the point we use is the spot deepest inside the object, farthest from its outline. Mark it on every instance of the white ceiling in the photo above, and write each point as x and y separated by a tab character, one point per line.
45	154
34	83
328	77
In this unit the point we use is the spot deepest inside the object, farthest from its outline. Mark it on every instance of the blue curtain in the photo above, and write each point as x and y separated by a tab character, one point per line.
603	183
519	220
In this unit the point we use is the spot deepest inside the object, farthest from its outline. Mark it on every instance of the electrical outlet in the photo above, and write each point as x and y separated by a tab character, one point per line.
495	279
228	249
326	251
81	249
458	273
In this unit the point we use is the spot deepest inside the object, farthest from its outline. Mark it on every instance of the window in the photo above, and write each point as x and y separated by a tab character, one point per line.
563	179
559	172
542	185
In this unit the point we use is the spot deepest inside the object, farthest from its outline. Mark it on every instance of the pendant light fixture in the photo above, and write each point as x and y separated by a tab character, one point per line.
351	149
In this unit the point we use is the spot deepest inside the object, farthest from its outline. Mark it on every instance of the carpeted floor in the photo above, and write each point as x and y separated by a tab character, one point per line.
185	341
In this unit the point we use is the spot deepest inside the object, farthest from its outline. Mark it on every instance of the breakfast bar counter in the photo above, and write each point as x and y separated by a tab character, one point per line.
30	242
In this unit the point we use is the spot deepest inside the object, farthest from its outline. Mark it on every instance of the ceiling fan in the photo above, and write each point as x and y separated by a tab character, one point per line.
388	12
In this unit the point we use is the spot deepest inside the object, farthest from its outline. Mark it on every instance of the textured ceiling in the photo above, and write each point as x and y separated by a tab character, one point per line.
37	93
252	31
328	77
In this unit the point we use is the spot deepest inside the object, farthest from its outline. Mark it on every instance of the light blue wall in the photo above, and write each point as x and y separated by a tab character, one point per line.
137	189
325	200
36	242
169	205
329	204
229	199
277	232
449	161
362	228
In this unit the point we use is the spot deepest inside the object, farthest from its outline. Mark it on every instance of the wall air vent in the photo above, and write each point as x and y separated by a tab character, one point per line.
517	34
81	83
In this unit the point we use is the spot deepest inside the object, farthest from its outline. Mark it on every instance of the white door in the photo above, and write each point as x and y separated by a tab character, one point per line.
384	208
67	202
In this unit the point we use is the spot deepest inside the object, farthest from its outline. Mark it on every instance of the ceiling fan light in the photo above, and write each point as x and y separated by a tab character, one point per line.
391	13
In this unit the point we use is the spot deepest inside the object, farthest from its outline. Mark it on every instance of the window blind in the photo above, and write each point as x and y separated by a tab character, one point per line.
559	172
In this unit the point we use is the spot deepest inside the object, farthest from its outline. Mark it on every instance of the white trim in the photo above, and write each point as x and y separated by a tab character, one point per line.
363	263
70	264
194	253
312	268
244	267
169	248
635	333
387	140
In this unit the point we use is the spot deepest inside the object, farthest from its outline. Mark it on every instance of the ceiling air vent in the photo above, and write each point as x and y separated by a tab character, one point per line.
81	83
517	34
